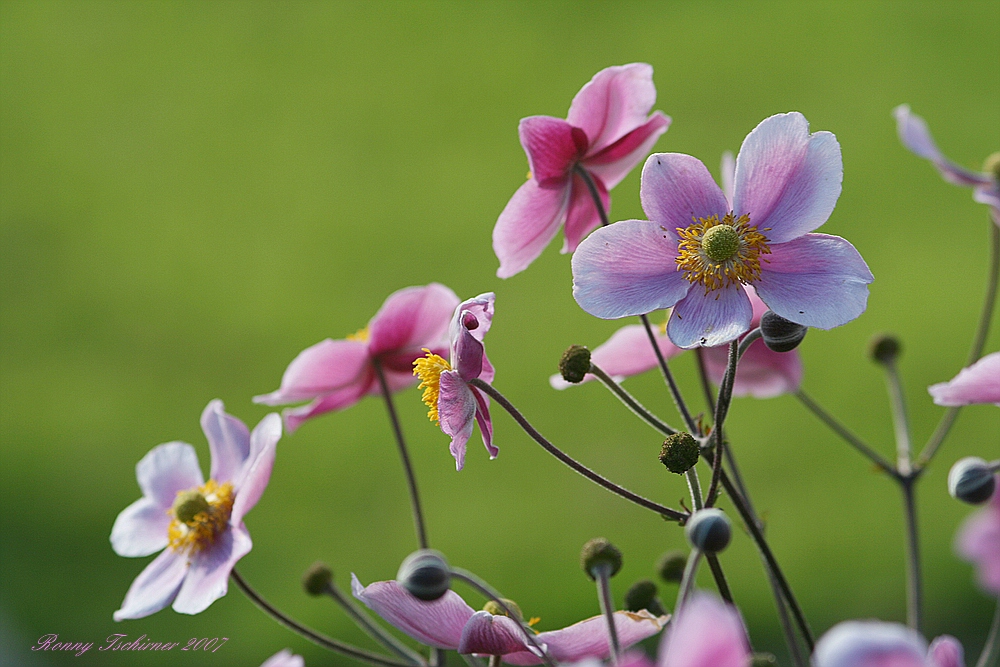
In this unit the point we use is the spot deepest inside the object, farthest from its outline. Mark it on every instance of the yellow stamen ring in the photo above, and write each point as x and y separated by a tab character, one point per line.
192	530
361	335
718	254
429	369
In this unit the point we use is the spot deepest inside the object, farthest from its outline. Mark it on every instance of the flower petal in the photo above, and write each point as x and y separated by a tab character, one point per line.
284	658
625	354
870	644
208	577
627	269
485	421
412	318
710	319
457	411
327	366
582	216
762	373
140	529
228	440
979	383
612	164
337	400
469	326
256	473
727	175
946	651
155	587
613	103
487	634
914	134
167	469
438	623
787	180
816	280
589	638
527	224
552	146
677	189
978	541
706	633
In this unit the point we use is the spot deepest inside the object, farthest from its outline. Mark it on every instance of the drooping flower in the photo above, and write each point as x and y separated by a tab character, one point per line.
606	133
707	633
336	374
284	658
198	524
978	383
878	644
985	185
695	252
450	623
978	541
452	403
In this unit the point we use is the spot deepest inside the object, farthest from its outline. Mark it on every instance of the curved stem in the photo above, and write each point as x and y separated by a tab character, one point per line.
666	512
594	194
721	408
687	581
375	631
720	577
675	391
848	437
630	401
900	420
706	386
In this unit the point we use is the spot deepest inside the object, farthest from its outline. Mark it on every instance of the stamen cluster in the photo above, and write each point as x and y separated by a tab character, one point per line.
429	369
199	531
698	252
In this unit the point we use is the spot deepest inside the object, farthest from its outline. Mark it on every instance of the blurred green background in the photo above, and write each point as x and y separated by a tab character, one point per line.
192	193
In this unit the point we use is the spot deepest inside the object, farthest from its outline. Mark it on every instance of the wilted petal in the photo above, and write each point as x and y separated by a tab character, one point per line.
709	319
527	224
257	472
914	134
870	644
438	623
140	529
208	576
581	215
677	189
167	469
613	103
491	635
155	587
552	146
978	541
456	411
706	633
337	400
228	441
412	318
284	658
946	651
326	367
979	383
613	163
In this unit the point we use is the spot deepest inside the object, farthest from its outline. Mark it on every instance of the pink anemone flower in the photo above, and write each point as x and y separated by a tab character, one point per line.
450	623
978	541
284	658
336	374
878	644
979	383
198	524
985	184
706	633
606	133
452	403
696	251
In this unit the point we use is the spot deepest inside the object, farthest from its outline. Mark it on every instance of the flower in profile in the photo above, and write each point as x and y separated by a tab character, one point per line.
452	403
979	383
284	658
878	644
706	633
978	541
696	251
985	184
198	524
336	374
606	133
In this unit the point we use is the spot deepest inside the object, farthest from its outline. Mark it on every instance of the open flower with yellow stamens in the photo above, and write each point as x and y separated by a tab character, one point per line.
198	524
452	403
698	250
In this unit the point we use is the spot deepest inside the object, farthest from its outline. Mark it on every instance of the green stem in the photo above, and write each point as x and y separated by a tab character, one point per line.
844	433
914	591
675	391
631	402
362	620
900	420
608	609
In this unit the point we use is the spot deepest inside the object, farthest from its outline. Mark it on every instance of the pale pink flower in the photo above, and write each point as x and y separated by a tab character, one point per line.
284	658
878	644
979	383
706	633
978	541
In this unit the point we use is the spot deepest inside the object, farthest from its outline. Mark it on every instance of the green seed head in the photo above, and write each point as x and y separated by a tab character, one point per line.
598	554
317	578
884	348
497	610
720	242
642	595
188	505
671	566
575	363
679	453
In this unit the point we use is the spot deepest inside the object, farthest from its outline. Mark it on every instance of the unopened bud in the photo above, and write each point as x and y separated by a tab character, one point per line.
317	578
971	480
680	452
425	574
709	530
494	608
575	364
598	554
671	566
642	595
884	348
779	334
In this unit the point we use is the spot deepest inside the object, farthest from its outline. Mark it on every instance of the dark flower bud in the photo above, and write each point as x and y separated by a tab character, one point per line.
763	660
671	566
425	574
494	608
317	578
680	452
779	334
599	554
971	480
575	363
884	348
709	530
642	595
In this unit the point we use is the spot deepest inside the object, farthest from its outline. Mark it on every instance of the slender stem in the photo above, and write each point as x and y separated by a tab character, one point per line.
373	630
687	581
411	479
664	511
721	408
313	636
706	385
675	391
630	401
470	660
594	194
848	437
914	593
900	420
438	657
608	609
720	577
991	650
694	486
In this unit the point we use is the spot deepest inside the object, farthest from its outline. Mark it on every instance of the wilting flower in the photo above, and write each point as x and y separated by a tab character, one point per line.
200	523
452	403
979	383
335	374
978	541
450	623
606	133
985	185
695	252
284	658
877	644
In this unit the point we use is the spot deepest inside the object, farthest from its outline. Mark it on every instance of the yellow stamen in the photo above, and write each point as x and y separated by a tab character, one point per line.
429	369
534	620
528	177
200	531
360	335
733	256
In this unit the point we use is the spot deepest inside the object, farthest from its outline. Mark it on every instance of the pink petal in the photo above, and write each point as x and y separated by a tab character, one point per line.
327	366
457	411
706	633
787	180
208	577
727	172
582	216
284	658
816	280
469	326
256	473
978	541
487	634
979	383
613	163
677	190
709	319
946	651
626	269
140	529
337	400
762	373
870	644
228	441
589	638
552	146
438	623
155	587
625	354
914	134
167	469
613	103
412	318
527	224
485	421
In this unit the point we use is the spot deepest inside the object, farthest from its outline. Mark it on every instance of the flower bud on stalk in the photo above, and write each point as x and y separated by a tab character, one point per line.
425	574
598	554
884	349
642	595
709	530
317	578
779	334
680	452
671	566
575	364
971	480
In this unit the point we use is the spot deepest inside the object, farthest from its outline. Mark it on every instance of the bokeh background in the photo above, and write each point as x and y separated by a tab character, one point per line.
192	193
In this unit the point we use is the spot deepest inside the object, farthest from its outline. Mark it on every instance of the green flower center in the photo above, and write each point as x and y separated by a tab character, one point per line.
721	242
190	504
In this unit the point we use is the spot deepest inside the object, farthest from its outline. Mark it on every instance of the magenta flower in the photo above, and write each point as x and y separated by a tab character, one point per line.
606	133
450	623
284	658
198	524
695	251
877	644
978	541
979	383
706	633
336	374
452	403
985	185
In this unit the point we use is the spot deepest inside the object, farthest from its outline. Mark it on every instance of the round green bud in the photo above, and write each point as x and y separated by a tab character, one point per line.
425	574
884	348
494	608
992	165
190	504
720	243
317	578
709	530
779	334
671	566
680	452
763	660
971	480
599	554
642	595
575	363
